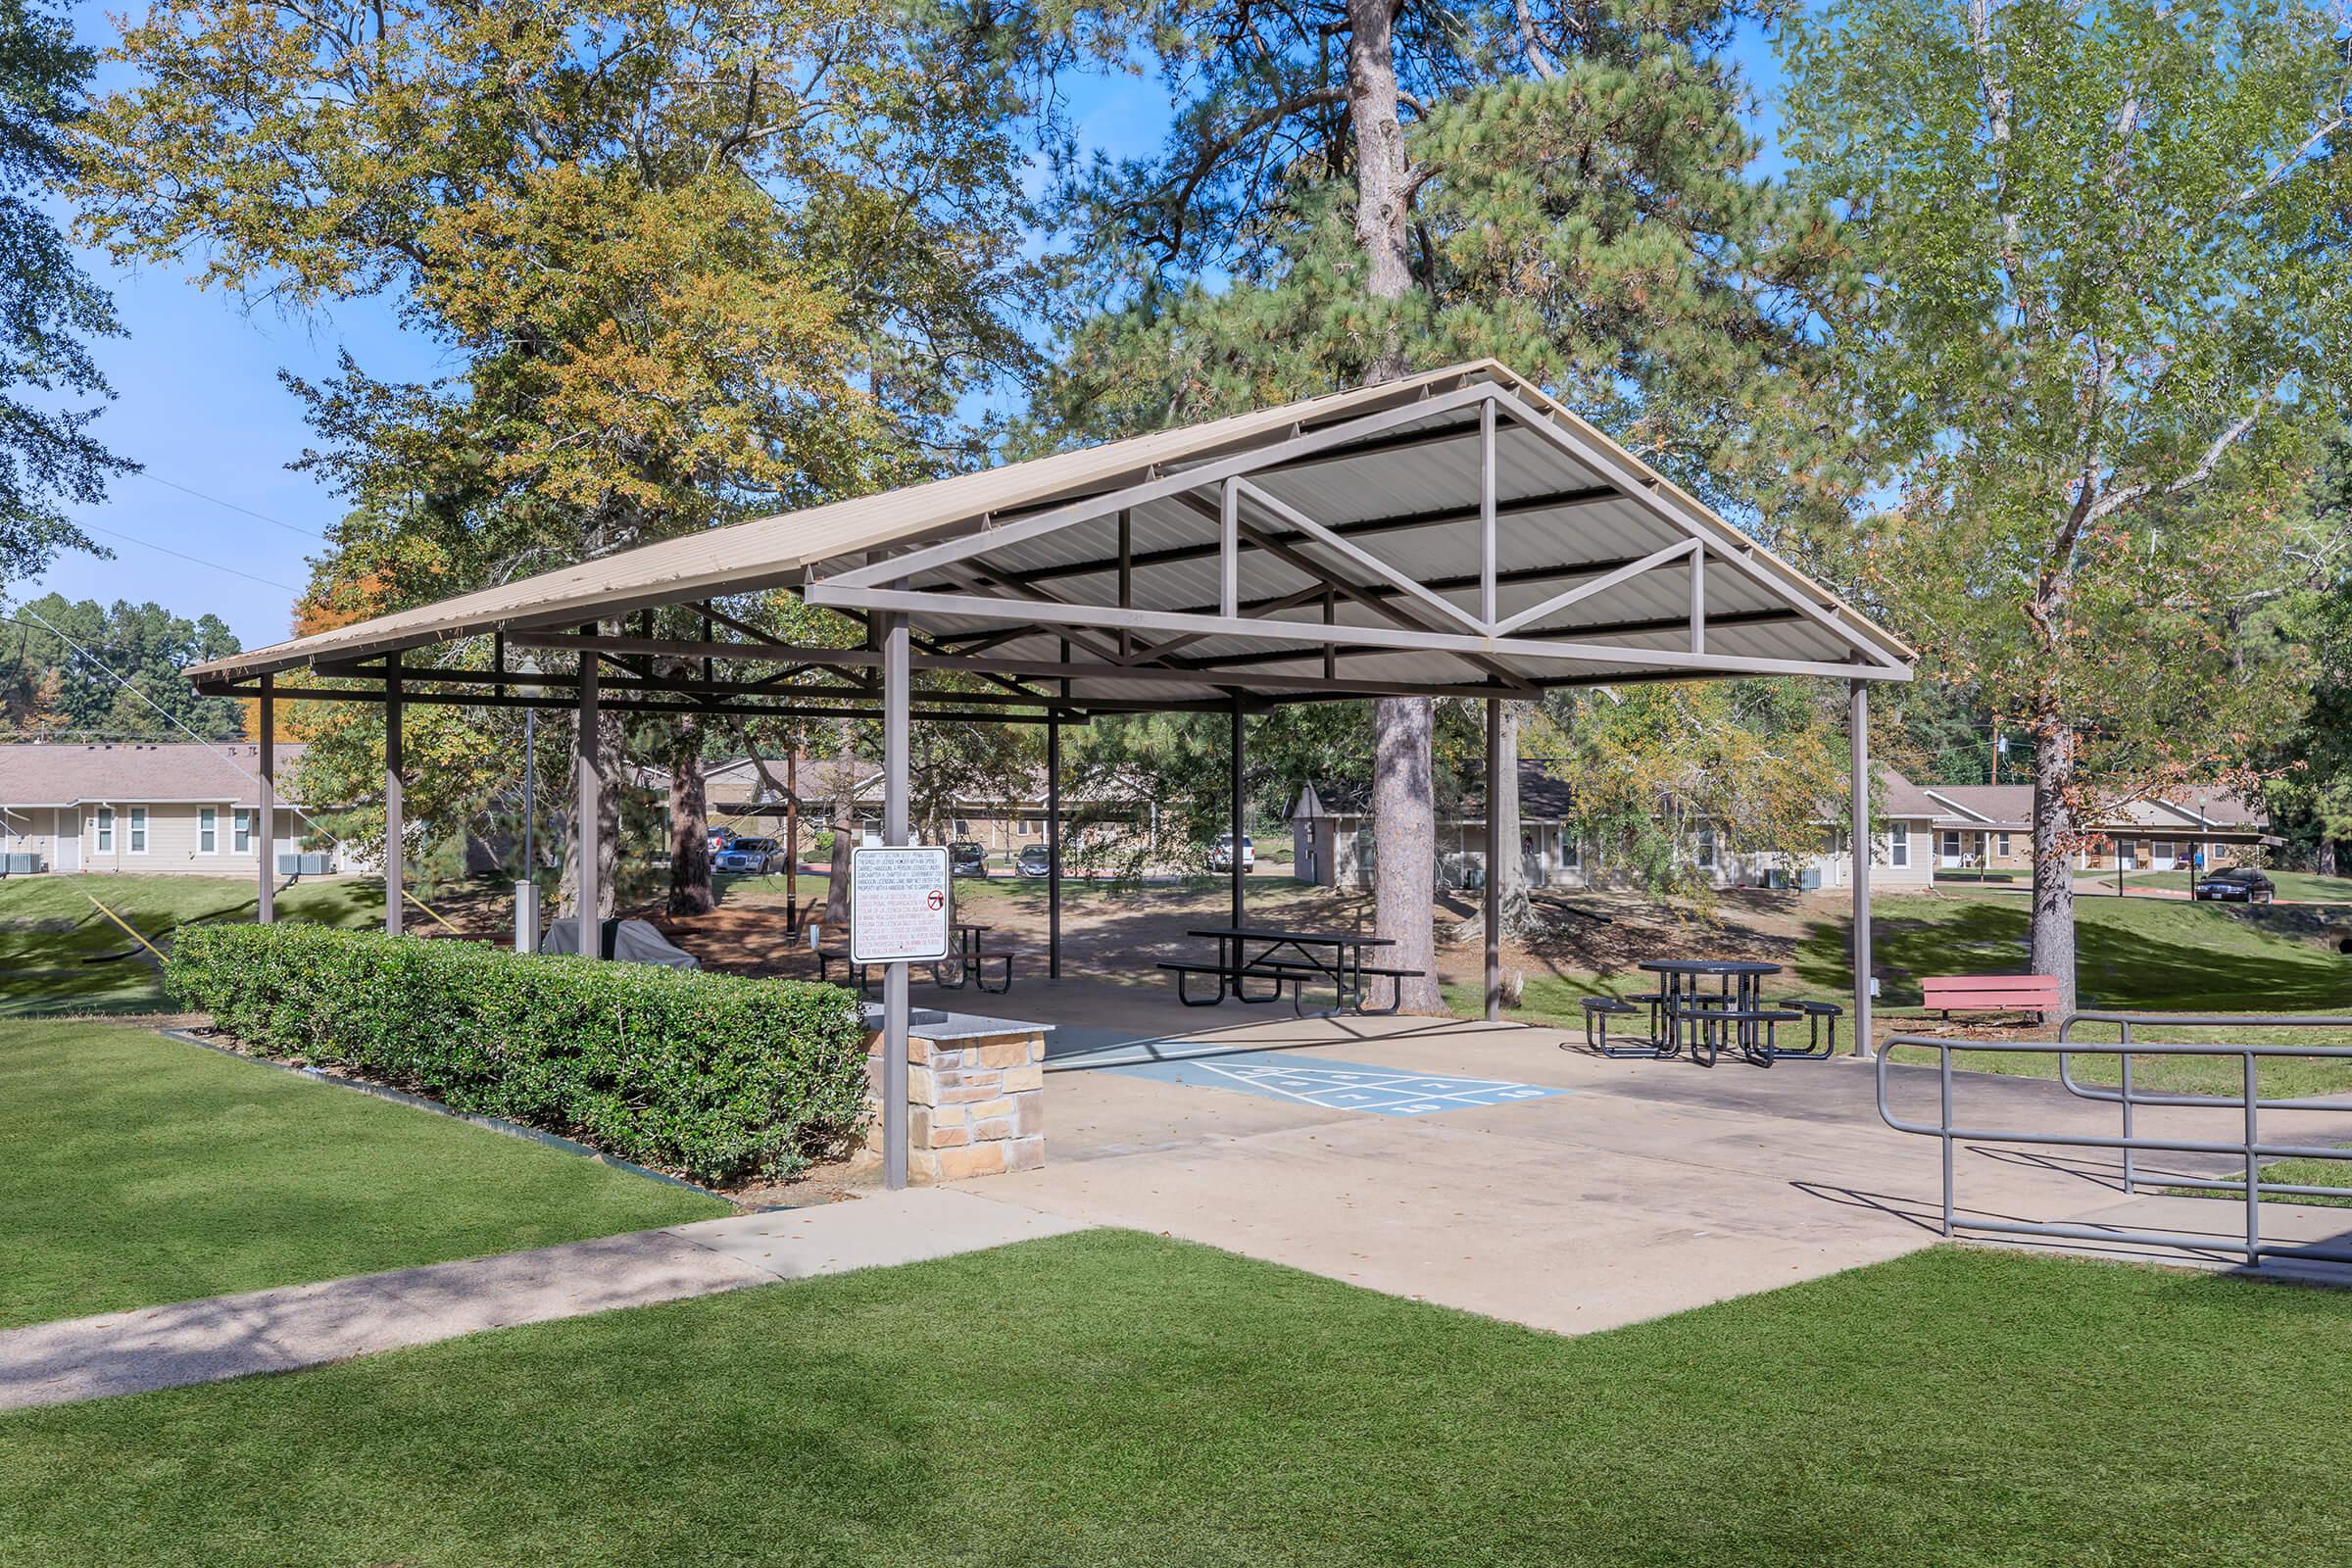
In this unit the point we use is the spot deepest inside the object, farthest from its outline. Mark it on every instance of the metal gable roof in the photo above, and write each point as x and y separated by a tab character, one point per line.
1387	466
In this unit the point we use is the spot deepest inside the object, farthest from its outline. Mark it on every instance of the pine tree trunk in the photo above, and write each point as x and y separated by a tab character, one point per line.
2052	940
690	890
1510	861
845	834
1403	824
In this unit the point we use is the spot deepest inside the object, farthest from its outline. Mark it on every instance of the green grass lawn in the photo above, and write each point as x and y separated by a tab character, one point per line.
142	1170
49	929
2134	954
1116	1398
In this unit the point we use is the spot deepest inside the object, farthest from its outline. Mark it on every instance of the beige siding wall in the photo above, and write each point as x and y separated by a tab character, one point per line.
174	840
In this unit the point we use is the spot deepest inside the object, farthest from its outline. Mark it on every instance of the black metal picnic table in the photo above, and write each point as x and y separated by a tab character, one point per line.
1291	958
1689	1013
965	963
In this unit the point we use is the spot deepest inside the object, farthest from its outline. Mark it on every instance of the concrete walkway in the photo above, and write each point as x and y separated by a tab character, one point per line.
310	1325
1645	1188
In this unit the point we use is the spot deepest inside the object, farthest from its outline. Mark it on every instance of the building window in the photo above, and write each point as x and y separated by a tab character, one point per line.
2004	843
1951	844
963	828
1706	846
2164	850
106	830
1898	844
208	830
138	830
241	830
1572	851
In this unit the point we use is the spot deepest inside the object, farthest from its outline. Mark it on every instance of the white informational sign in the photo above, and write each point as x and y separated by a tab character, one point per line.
902	905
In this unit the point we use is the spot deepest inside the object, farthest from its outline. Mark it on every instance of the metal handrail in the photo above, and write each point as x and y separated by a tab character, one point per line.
2249	1148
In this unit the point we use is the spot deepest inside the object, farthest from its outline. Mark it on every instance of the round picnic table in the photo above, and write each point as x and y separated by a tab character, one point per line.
1685	1000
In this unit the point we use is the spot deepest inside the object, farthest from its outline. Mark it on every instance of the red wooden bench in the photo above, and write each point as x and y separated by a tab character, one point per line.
2037	993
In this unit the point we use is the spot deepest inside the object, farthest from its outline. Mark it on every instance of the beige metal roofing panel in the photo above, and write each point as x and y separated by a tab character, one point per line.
1357	482
769	552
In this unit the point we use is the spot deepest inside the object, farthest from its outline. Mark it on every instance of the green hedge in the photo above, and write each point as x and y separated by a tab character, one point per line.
713	1076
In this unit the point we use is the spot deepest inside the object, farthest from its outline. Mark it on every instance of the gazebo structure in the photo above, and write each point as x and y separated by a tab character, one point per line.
1456	534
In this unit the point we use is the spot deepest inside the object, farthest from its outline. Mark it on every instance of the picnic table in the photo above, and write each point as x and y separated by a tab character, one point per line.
1296	958
1689	1012
969	963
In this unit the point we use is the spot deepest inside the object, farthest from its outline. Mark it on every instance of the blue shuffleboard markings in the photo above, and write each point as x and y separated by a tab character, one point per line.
1339	1085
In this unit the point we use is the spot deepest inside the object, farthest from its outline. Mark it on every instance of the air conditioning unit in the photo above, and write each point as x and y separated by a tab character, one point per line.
22	864
315	864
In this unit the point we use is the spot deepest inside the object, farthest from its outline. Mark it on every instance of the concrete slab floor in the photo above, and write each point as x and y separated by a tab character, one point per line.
1652	1186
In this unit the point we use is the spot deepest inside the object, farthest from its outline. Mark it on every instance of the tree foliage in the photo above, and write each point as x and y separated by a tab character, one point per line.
56	656
689	263
49	308
2107	283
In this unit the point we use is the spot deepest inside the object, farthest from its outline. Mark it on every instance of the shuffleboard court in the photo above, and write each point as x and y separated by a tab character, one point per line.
1339	1085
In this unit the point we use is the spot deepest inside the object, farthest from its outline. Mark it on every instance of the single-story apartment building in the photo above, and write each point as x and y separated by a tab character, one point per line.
147	807
1004	821
1924	828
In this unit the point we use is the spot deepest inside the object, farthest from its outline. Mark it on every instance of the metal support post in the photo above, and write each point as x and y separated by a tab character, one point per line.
264	821
896	685
1236	759
393	894
589	781
1858	727
1494	853
1053	851
792	837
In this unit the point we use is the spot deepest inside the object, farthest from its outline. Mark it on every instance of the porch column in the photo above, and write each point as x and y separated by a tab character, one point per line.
1235	758
1053	847
1859	728
265	827
1494	853
393	869
588	781
894	738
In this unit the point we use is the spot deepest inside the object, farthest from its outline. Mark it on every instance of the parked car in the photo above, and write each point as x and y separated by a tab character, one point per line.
967	858
750	858
1221	854
2239	884
1034	861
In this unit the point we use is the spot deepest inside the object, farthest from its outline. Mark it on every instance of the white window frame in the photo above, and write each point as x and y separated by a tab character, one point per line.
240	829
1572	851
208	830
1898	844
139	837
2004	841
1951	847
102	828
1703	847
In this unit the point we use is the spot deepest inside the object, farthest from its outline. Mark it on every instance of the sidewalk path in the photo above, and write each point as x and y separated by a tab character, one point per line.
310	1325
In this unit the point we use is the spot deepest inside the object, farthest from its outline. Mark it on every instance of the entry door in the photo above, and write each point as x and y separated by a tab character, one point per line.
68	838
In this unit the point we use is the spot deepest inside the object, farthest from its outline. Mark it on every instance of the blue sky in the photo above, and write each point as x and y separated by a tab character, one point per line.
198	401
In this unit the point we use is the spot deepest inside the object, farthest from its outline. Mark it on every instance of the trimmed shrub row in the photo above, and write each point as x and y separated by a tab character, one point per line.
716	1077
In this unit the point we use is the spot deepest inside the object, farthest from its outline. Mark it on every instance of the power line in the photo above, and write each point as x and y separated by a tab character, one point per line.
263	517
144	544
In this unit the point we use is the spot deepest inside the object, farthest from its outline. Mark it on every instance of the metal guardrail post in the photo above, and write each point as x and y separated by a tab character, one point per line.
2248	1148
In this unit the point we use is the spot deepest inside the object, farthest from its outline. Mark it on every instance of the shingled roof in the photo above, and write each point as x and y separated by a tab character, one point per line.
120	772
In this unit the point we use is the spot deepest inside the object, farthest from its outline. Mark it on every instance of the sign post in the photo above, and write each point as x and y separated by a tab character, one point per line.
902	905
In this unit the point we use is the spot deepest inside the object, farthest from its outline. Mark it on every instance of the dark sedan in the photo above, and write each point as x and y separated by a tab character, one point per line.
967	858
2239	884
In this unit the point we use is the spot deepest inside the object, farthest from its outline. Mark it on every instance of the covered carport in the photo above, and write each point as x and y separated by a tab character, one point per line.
1454	535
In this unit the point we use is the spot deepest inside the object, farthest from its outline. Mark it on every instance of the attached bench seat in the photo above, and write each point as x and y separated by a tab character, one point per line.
1705	1036
2037	993
971	965
1599	1011
1297	975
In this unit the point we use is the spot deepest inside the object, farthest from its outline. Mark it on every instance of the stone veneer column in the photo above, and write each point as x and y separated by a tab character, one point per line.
976	1105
